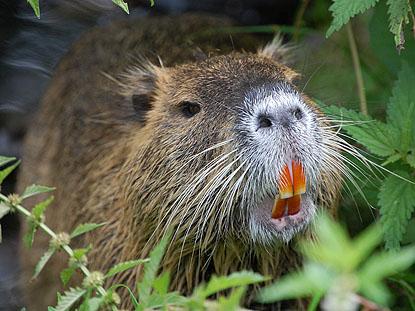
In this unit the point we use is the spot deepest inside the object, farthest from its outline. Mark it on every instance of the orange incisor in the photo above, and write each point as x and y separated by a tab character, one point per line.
291	185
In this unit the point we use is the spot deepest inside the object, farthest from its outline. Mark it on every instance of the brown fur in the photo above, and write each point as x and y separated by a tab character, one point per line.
109	167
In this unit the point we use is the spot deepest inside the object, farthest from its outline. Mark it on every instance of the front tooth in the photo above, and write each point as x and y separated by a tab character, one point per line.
279	208
299	180
285	185
294	204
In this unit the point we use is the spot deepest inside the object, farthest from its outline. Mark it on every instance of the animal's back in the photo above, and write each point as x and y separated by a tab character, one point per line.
77	140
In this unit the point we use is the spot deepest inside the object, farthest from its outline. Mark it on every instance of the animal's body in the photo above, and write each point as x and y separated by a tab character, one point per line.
197	145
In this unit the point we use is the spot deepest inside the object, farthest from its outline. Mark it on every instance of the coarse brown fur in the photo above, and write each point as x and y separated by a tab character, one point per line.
107	164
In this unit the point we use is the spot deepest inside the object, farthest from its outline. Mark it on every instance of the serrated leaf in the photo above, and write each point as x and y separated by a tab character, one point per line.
123	266
344	10
34	190
66	275
6	172
401	108
150	270
397	202
84	228
35	6
398	11
379	138
40	208
381	41
220	283
69	298
43	261
4	209
123	5
5	160
30	234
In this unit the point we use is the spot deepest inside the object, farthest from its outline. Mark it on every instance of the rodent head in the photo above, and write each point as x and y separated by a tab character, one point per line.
212	143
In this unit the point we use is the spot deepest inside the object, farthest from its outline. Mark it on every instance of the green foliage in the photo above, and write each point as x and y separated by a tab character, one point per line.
35	190
122	4
394	140
35	6
6	172
397	202
124	266
69	298
43	261
398	11
398	15
344	10
339	267
84	228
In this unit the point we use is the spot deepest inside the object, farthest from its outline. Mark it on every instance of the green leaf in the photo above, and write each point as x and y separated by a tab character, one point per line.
4	209
381	41
232	302
410	159
79	252
84	228
220	283
379	138
66	275
123	266
43	261
150	269
94	303
398	15
382	265
344	10
35	6
151	2
69	298
123	5
34	190
161	284
397	202
40	208
401	108
5	160
314	279
30	234
6	172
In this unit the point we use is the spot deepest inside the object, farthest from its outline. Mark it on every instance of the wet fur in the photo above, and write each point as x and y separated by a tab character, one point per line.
108	165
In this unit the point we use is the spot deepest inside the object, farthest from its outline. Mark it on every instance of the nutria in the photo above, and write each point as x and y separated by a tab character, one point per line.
143	131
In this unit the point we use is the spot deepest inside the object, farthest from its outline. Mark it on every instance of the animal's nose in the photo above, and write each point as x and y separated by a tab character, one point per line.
282	117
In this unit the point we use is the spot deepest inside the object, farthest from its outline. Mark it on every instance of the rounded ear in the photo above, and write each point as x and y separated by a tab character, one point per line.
139	87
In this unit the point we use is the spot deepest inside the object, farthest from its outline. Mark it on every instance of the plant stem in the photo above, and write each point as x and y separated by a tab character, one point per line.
52	234
299	18
357	70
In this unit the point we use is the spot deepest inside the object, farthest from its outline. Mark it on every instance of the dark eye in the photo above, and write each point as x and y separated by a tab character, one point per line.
264	121
189	109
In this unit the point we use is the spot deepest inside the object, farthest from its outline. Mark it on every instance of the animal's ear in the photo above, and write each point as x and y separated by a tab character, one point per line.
141	104
282	54
139	85
277	51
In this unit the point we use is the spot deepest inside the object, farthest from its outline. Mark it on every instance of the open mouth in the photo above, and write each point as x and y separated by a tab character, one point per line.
291	185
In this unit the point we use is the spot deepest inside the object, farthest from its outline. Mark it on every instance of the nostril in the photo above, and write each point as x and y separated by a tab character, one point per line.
264	121
298	114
